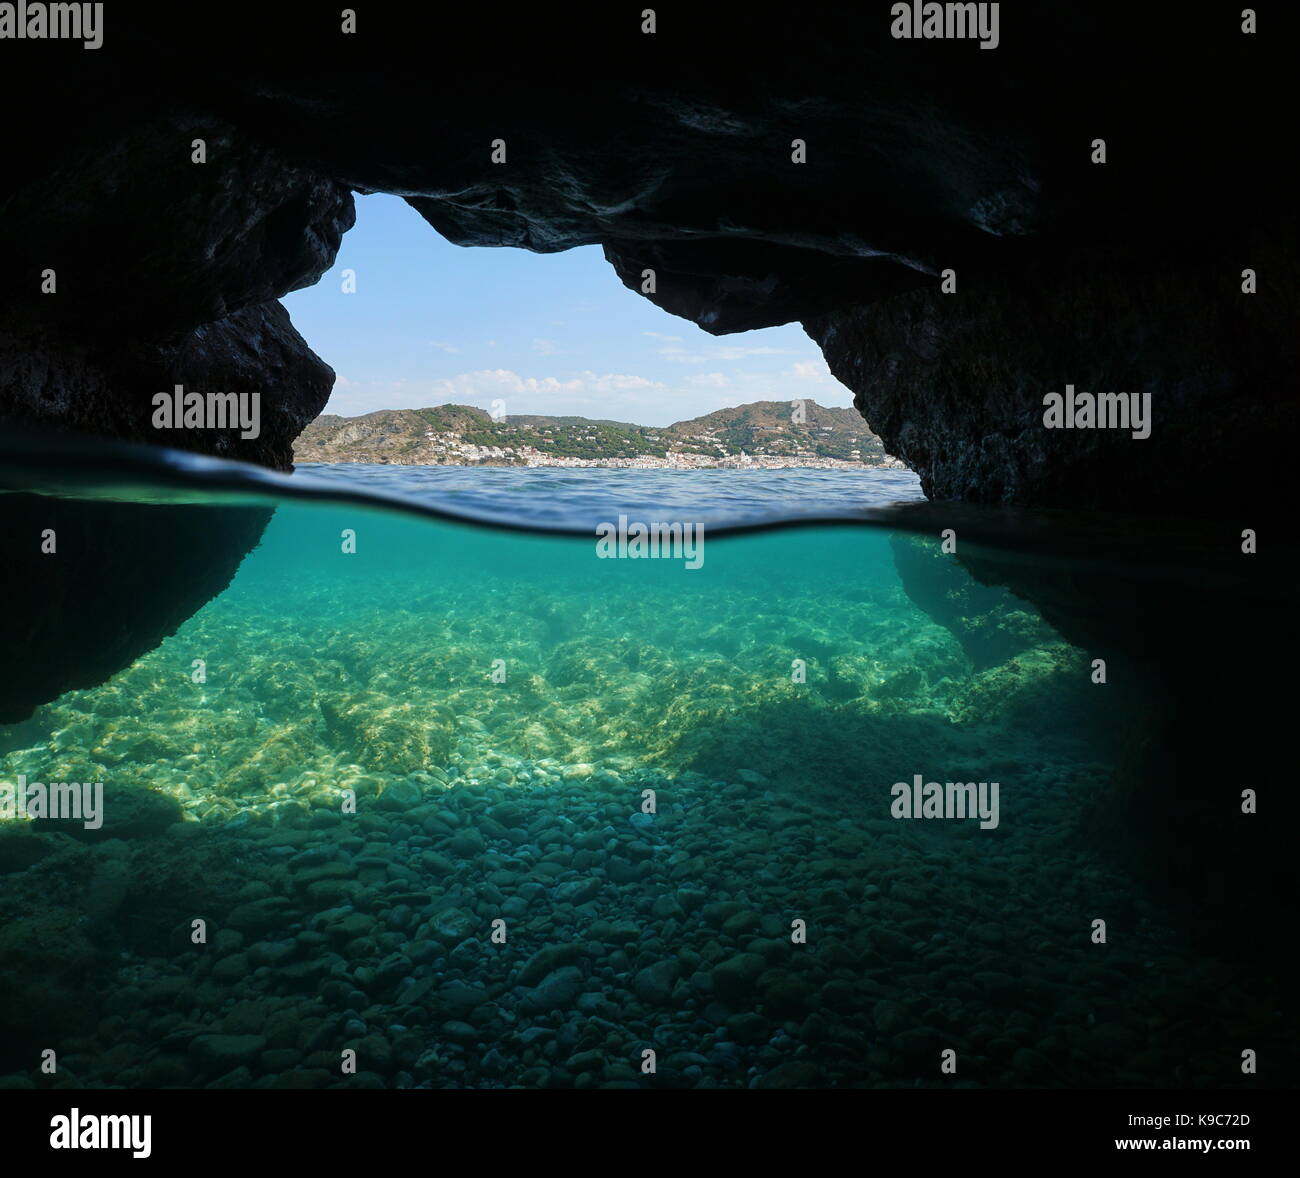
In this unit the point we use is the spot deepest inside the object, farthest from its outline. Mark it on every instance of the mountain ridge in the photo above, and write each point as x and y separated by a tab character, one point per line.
758	433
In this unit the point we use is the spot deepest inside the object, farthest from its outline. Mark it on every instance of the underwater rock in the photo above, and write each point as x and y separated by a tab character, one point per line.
736	979
990	623
218	1054
550	958
401	795
577	891
508	814
1047	684
436	865
785	996
558	990
748	1028
129	812
48	985
654	984
389	736
19	850
109	885
861	1010
466	844
257	917
151	567
795	1073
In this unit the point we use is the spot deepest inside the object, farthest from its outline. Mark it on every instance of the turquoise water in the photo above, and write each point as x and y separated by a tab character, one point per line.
488	810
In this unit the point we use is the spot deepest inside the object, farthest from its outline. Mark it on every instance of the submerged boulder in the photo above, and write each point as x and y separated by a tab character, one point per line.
49	982
990	624
387	735
125	576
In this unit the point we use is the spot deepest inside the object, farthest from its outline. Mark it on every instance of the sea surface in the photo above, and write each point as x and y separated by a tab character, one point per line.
431	780
573	497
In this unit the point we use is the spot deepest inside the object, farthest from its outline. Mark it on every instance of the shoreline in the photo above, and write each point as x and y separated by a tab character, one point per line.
748	463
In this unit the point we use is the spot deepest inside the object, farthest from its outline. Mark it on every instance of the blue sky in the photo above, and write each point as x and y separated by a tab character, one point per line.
431	323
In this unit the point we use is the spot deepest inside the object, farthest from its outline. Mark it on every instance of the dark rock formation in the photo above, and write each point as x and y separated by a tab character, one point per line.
988	622
1194	634
733	285
124	576
954	383
99	386
130	267
165	272
144	241
675	150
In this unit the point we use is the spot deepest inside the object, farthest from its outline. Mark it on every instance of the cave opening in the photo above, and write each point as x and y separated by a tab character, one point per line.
411	322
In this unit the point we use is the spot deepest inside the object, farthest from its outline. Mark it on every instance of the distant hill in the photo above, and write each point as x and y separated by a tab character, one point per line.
761	433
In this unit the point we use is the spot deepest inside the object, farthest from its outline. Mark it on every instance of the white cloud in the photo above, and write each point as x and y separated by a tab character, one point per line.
812	370
714	355
740	353
443	347
590	393
617	382
488	383
544	347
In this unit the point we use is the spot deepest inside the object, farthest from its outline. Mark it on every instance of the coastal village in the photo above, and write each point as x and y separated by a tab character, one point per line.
453	451
759	436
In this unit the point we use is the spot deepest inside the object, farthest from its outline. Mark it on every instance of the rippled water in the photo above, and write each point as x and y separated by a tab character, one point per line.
576	497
